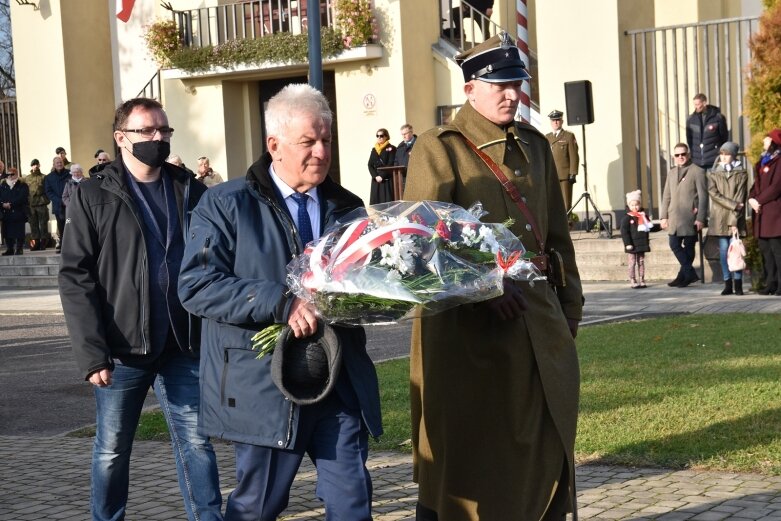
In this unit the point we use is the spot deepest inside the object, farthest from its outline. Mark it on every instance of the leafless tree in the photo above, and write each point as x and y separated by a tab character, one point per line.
7	74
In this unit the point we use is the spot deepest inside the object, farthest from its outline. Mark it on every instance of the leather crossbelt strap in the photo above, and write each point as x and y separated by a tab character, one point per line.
512	191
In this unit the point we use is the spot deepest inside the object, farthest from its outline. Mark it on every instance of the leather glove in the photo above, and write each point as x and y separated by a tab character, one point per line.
511	304
571	179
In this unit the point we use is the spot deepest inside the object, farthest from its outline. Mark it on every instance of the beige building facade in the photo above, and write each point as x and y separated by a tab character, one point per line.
75	61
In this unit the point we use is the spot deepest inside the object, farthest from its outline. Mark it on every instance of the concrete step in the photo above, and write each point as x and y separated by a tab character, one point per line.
32	270
602	259
28	282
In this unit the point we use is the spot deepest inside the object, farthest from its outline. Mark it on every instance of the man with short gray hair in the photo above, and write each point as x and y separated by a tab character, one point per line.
244	232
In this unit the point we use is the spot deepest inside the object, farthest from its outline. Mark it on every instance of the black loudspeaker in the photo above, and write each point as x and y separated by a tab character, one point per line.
580	106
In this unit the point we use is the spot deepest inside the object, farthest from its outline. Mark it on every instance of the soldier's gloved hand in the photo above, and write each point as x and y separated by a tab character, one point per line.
571	179
511	304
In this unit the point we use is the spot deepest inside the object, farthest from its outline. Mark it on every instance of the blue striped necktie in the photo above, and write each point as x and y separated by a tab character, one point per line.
304	224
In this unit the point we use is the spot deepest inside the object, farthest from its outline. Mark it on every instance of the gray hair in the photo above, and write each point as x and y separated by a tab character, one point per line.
174	160
76	166
295	100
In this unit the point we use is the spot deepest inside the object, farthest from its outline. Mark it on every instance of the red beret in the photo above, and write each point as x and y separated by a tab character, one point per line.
775	135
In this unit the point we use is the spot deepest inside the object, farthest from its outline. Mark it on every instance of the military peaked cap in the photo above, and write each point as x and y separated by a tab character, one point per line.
496	60
556	114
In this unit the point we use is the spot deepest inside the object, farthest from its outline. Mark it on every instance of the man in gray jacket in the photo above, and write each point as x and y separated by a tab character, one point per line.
684	212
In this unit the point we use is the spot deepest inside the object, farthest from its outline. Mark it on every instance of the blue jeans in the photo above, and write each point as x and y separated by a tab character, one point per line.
725	273
118	411
682	247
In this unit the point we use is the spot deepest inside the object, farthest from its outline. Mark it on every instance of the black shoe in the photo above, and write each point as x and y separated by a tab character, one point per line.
676	281
19	251
57	250
8	252
727	287
768	290
688	280
738	286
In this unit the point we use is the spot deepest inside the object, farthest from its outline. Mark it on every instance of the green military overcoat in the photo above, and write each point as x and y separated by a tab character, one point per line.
564	148
495	403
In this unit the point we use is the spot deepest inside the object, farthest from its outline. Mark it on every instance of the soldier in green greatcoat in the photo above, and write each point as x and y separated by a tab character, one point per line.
564	148
39	207
494	385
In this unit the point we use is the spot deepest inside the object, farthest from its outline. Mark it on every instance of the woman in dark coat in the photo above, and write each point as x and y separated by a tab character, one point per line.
14	200
382	154
765	201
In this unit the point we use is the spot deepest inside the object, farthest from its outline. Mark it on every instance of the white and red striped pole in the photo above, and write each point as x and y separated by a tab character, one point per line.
524	108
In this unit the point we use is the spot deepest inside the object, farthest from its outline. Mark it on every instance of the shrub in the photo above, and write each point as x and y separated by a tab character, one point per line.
162	40
278	48
763	97
357	22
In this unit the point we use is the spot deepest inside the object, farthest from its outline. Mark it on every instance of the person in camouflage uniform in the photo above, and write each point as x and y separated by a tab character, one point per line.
39	207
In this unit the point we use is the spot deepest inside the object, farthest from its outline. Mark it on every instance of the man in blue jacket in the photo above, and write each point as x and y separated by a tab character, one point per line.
242	236
121	254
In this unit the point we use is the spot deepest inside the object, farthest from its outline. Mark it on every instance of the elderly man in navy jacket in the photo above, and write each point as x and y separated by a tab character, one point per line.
243	234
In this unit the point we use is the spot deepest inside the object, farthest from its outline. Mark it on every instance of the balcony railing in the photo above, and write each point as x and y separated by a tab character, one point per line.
209	26
465	27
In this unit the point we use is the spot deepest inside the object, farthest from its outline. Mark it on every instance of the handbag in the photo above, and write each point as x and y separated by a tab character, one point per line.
736	254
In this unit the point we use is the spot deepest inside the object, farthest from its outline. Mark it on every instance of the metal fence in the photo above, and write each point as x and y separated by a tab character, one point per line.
215	25
9	133
152	89
670	65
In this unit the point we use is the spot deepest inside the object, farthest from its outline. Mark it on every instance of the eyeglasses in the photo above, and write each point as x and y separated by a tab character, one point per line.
681	155
149	132
381	135
101	160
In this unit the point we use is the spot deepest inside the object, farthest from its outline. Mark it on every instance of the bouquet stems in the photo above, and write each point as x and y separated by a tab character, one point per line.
265	340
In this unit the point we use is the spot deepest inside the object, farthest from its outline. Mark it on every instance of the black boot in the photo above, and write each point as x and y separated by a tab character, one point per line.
738	286
727	287
676	281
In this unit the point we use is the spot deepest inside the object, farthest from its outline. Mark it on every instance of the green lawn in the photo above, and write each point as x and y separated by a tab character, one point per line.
692	391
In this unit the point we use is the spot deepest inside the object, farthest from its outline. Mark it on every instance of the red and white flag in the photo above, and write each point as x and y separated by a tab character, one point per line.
124	8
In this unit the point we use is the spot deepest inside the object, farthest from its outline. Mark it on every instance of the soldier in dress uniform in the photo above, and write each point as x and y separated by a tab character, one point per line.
565	154
517	388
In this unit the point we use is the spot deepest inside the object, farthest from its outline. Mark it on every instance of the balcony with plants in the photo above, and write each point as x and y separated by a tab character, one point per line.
260	34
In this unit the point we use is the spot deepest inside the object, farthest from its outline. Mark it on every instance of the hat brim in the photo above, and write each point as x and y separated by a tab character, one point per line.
297	365
506	75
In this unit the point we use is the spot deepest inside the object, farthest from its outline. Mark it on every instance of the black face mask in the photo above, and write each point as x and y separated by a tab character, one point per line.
152	153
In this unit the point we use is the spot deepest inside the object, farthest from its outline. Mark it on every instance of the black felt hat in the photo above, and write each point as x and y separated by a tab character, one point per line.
305	369
496	60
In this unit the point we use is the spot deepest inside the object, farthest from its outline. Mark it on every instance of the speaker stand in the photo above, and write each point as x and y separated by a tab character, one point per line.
587	197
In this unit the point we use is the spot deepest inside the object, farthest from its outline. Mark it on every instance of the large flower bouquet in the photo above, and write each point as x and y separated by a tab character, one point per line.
378	264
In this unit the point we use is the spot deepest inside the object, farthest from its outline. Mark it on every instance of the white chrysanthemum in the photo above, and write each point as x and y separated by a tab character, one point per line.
469	235
400	255
488	240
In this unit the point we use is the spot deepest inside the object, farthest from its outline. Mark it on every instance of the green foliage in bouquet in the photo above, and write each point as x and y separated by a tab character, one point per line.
763	98
357	22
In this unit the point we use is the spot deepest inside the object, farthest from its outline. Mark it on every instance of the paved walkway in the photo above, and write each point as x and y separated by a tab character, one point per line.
48	478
